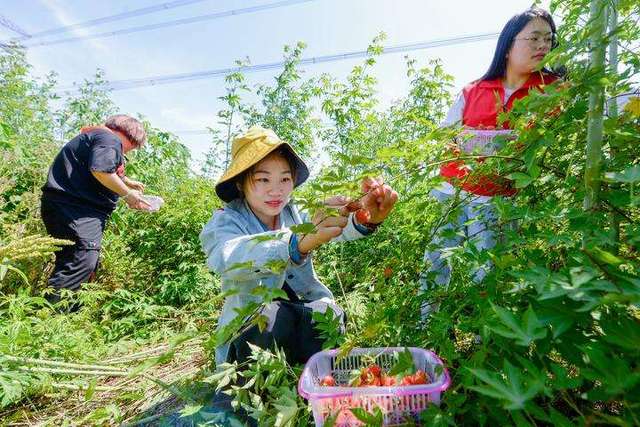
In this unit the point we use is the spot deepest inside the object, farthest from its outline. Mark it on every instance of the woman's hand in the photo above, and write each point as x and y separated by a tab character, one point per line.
135	200
327	228
379	199
134	185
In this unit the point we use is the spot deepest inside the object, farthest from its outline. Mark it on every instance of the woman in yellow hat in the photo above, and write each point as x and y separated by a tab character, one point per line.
249	242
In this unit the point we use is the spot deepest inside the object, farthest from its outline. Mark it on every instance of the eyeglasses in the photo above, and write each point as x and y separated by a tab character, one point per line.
535	41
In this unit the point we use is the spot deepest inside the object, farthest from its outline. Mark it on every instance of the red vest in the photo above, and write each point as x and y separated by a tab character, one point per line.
483	101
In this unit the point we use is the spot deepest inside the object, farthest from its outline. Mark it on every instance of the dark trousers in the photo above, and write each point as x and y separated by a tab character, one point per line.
75	264
289	328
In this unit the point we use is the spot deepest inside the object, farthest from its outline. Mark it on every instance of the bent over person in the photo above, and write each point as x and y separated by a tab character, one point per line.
83	186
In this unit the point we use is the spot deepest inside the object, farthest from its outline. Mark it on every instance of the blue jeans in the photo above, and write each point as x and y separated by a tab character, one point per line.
474	224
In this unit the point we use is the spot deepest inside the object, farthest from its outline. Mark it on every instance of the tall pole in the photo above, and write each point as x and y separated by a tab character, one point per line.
612	108
593	165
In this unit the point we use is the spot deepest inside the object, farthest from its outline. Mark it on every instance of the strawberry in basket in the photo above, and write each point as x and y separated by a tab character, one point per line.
420	377
368	376
328	381
422	373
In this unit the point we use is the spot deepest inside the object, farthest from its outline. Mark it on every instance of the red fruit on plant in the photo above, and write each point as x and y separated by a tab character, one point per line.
328	381
363	216
388	272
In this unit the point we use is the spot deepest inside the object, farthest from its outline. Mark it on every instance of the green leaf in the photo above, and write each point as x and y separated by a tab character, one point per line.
522	180
225	373
614	373
287	407
266	237
581	275
91	389
525	331
330	420
306	228
557	419
510	385
329	326
277	266
374	419
262	321
629	175
604	256
623	332
4	268
520	420
562	379
189	410
240	266
404	364
558	316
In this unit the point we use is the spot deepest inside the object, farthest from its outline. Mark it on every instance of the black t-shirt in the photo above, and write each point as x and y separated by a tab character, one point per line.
70	179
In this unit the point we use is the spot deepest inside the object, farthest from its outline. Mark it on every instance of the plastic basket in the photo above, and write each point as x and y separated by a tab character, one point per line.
484	142
397	403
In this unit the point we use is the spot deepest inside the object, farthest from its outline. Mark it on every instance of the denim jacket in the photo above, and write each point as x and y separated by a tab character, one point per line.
229	240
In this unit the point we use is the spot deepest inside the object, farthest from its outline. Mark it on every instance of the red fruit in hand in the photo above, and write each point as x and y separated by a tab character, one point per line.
353	206
328	381
363	216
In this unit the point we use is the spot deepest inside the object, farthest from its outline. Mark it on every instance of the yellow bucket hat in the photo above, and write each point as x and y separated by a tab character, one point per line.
248	150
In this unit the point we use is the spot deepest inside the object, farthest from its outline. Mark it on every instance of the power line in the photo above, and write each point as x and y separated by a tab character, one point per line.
183	21
191	132
7	23
111	18
176	78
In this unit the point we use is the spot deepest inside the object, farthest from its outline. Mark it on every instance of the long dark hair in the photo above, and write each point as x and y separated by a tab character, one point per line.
498	67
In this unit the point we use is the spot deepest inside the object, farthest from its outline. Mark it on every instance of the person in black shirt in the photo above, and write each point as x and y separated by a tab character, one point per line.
83	186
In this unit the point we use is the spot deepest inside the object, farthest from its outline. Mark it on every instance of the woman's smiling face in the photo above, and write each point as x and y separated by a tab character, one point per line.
268	187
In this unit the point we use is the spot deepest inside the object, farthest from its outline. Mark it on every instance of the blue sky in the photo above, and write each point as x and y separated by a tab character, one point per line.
327	26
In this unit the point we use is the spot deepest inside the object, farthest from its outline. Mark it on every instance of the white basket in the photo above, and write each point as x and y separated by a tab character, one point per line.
484	142
397	403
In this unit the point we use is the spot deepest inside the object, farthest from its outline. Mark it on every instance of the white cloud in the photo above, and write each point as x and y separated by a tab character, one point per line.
60	12
181	119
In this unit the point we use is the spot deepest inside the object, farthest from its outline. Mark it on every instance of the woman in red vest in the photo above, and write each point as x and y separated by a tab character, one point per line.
514	71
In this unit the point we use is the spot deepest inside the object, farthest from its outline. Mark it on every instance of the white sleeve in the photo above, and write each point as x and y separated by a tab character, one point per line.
236	255
454	116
